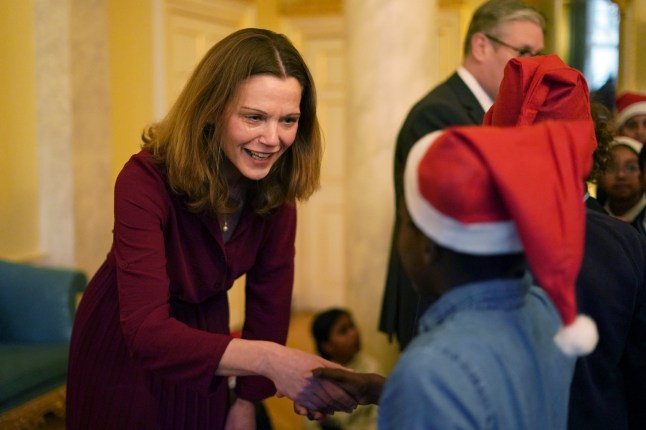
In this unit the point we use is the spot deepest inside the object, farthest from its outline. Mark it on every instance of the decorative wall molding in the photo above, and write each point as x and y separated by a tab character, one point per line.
310	7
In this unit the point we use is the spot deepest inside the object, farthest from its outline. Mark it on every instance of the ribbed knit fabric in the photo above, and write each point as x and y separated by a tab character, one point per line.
108	390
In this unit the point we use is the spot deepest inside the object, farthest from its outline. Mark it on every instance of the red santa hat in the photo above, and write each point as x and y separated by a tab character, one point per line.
533	90
628	105
500	190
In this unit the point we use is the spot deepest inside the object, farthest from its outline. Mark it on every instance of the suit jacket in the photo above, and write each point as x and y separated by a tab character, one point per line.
450	103
609	385
639	223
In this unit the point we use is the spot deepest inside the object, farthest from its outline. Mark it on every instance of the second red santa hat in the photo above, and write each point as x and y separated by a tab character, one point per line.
534	90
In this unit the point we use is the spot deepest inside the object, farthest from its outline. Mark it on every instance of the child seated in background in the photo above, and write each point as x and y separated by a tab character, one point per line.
338	339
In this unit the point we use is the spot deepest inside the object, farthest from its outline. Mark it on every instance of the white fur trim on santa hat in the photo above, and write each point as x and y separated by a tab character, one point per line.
633	144
638	108
578	338
484	238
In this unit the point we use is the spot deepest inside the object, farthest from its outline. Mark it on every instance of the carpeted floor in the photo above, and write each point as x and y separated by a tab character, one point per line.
53	423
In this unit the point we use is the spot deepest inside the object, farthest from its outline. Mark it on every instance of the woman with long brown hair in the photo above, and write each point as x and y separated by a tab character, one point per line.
210	197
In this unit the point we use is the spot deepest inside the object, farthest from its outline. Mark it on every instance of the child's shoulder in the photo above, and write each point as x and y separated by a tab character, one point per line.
456	341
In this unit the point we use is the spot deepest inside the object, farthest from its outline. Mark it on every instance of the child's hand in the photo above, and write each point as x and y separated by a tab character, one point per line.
365	388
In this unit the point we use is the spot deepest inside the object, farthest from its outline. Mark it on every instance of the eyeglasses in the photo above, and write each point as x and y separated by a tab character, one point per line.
522	52
628	169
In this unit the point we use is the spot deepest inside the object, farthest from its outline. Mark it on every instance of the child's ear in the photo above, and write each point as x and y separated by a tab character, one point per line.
431	252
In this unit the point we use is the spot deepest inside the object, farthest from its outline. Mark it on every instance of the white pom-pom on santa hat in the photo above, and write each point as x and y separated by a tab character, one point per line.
578	338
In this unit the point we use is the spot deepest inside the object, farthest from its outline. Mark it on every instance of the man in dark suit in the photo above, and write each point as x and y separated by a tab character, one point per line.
499	30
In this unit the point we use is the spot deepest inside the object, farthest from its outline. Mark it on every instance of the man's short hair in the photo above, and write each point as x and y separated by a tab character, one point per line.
491	14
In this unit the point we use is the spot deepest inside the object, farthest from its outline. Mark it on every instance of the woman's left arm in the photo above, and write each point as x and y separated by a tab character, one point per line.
290	369
269	293
268	309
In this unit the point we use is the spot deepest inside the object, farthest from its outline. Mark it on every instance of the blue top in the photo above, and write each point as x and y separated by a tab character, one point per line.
485	358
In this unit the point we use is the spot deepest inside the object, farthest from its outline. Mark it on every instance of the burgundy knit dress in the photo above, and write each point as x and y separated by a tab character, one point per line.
154	322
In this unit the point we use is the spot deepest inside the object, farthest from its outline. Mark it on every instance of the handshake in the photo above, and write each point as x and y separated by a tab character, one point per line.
332	390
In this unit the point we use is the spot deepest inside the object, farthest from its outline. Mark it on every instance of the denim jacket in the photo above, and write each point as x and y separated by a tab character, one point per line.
485	358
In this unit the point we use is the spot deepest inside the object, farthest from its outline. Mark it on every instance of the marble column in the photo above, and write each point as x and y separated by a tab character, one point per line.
54	130
73	137
92	162
391	47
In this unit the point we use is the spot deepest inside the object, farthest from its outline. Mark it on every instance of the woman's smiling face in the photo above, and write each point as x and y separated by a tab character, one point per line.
261	124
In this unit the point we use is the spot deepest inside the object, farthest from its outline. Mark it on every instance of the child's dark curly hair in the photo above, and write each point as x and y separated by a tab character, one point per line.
602	118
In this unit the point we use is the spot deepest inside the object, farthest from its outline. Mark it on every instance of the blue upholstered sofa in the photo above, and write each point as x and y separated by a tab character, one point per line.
36	314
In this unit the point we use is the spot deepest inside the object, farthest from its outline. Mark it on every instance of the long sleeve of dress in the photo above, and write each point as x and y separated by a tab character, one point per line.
268	296
156	340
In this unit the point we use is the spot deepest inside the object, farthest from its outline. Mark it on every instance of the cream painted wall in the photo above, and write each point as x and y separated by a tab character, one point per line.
640	49
267	14
18	161
130	39
632	60
639	8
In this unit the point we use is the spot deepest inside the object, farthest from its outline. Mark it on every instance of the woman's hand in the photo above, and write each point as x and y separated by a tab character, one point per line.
311	415
242	416
364	387
291	371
